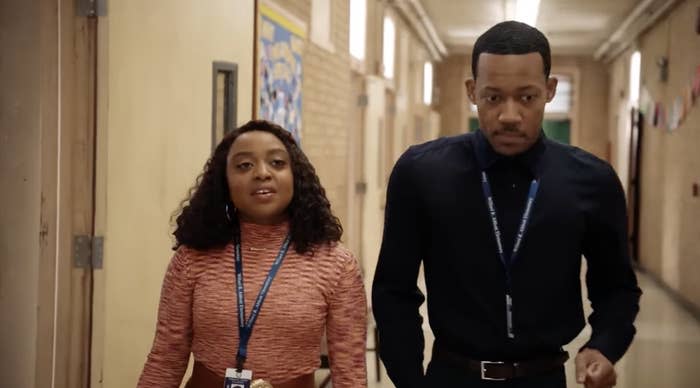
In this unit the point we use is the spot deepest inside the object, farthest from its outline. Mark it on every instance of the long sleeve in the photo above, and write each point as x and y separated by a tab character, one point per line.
346	328
395	294
167	361
612	284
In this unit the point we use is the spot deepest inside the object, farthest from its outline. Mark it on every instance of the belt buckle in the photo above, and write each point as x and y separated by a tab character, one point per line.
485	364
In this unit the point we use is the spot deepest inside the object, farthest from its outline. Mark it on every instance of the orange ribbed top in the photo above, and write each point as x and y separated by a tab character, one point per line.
198	312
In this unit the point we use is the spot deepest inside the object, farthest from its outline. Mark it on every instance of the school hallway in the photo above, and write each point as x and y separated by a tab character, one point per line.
110	109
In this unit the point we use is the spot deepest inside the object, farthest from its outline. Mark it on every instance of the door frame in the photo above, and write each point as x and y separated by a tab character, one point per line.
634	181
68	118
356	181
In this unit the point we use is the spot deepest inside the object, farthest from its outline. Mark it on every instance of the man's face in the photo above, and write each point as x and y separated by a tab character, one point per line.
510	92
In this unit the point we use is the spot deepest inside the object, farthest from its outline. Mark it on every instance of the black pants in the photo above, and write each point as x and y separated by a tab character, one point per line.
441	375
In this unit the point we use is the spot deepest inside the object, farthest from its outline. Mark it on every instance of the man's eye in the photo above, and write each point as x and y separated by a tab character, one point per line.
492	98
527	98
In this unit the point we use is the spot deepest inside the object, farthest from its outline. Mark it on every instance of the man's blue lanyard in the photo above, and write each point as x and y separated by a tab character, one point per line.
508	262
245	330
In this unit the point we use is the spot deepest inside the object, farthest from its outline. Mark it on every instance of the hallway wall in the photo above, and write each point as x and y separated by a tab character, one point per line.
453	103
618	114
20	177
155	137
670	214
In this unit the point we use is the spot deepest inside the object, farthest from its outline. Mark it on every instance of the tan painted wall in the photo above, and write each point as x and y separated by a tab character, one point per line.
618	120
453	103
408	88
669	244
157	137
20	176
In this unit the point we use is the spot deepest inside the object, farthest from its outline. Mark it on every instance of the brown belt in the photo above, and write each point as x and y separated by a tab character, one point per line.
502	370
203	377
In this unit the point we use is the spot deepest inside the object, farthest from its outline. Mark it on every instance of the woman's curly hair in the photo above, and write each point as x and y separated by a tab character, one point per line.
203	221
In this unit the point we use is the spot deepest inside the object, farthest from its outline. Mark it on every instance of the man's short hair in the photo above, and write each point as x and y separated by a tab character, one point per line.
512	37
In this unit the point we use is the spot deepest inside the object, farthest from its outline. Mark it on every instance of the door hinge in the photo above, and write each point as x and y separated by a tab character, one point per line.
91	8
88	252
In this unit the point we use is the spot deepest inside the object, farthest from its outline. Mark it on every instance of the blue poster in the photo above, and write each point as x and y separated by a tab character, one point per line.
280	71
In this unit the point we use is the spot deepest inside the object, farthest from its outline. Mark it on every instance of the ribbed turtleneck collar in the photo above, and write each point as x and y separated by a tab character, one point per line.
263	235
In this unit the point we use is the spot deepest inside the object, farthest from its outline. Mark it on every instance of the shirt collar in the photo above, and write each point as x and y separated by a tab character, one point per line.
486	156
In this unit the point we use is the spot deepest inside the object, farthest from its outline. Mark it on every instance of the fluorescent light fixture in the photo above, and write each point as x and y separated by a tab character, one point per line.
428	83
358	28
389	49
635	76
526	11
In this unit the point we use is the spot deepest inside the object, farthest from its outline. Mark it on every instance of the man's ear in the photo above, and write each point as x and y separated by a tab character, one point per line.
471	88
551	88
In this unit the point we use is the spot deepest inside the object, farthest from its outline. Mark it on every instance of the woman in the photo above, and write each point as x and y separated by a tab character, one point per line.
258	208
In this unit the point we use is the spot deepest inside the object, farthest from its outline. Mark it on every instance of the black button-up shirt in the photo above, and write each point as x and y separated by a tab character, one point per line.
436	213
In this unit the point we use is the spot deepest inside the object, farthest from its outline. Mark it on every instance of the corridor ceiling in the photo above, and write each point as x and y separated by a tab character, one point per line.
573	27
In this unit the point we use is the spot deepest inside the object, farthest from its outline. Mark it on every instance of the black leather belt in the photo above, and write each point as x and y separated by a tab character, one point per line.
502	370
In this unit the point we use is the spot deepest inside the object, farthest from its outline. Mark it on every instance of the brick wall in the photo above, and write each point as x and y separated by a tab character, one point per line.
326	102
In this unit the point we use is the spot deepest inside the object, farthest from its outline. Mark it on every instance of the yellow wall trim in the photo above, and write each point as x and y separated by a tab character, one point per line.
285	20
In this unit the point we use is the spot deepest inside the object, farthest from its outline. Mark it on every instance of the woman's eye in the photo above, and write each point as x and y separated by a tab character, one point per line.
244	165
278	163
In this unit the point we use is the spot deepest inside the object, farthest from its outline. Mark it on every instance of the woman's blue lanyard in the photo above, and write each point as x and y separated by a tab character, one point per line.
245	328
508	261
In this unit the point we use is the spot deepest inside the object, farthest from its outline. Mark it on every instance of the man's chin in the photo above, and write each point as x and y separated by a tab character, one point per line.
509	148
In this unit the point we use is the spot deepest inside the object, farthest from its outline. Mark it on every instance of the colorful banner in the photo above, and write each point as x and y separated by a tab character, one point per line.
670	117
280	70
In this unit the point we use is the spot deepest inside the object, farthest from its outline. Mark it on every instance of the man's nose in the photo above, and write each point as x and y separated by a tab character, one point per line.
510	114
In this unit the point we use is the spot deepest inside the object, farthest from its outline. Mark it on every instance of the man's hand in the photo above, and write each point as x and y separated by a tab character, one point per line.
594	370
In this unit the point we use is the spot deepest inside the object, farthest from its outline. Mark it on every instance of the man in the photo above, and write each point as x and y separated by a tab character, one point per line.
500	220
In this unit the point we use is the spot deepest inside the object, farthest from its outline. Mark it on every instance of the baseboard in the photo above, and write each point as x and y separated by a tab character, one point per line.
674	294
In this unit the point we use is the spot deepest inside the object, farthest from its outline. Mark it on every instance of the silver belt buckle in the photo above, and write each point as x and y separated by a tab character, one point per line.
484	364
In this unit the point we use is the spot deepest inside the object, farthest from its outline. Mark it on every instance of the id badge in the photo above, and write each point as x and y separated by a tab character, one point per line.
234	379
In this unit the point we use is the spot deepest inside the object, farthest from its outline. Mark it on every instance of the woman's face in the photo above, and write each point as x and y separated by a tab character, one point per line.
260	178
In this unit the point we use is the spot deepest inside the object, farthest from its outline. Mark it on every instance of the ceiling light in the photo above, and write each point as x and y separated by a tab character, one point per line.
526	11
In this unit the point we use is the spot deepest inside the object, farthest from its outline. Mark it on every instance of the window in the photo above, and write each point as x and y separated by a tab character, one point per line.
321	23
389	47
635	75
428	83
358	28
563	98
224	92
557	121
